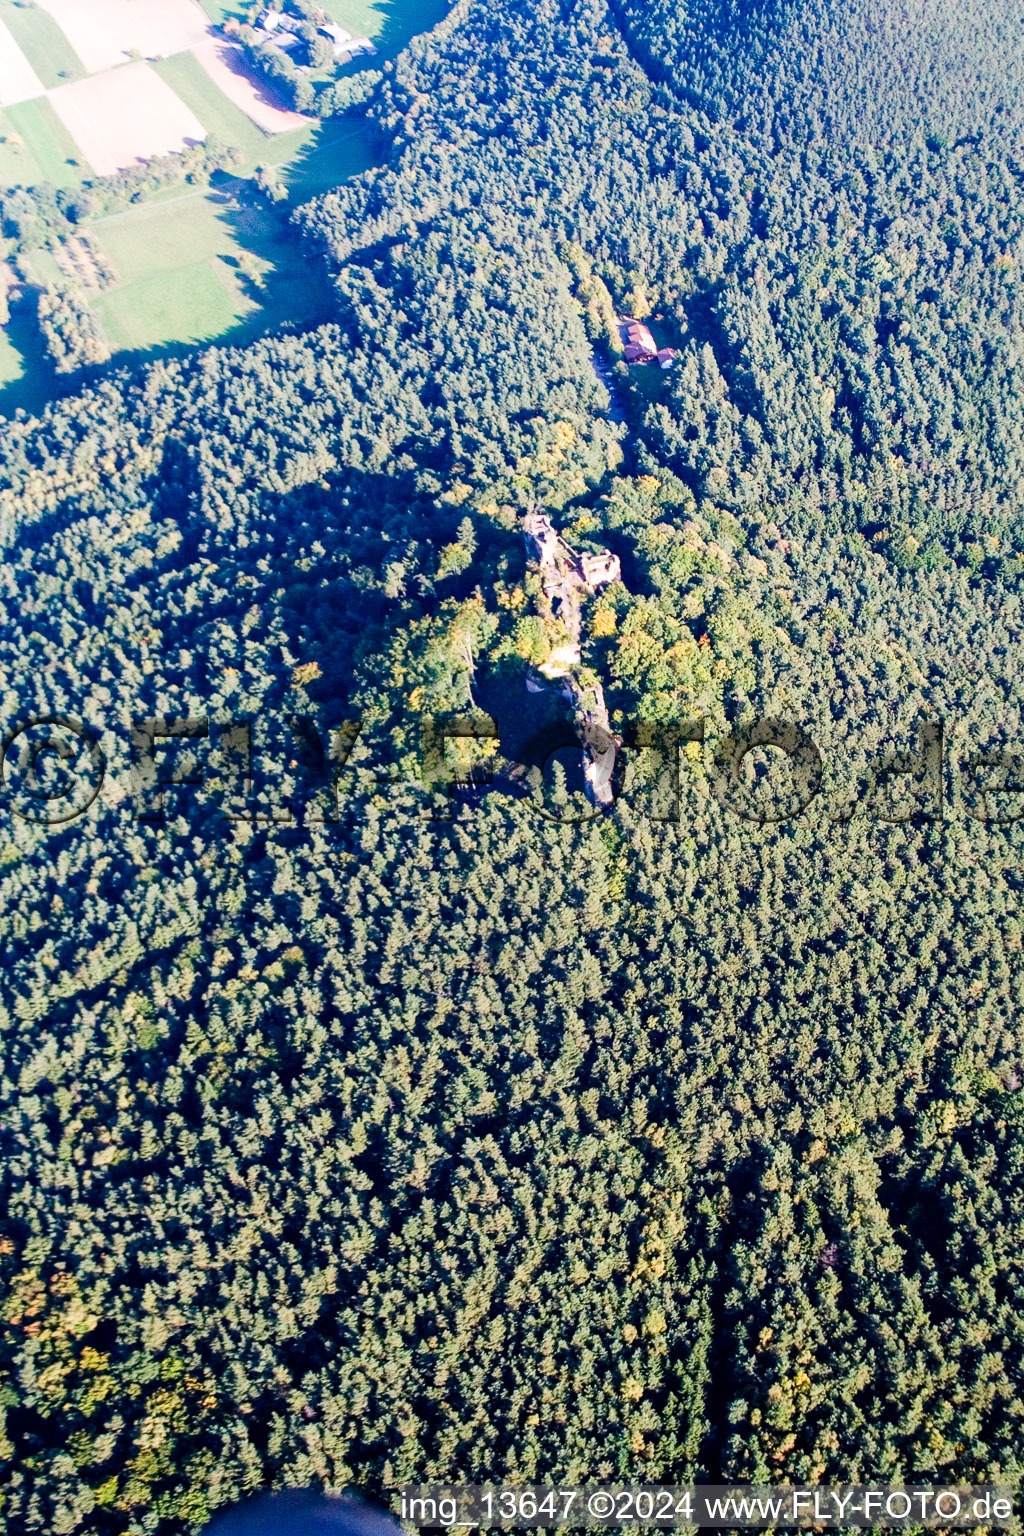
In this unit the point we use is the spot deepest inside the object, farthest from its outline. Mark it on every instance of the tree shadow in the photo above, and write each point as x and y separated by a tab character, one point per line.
402	21
291	291
233	59
339	150
39	383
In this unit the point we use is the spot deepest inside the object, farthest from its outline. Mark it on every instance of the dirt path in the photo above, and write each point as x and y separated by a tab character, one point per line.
617	410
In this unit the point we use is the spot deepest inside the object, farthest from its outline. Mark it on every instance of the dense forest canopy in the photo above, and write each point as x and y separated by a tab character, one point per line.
860	74
392	1147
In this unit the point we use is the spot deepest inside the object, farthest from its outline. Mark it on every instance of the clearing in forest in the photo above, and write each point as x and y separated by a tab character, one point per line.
193	304
188	270
125	115
189	266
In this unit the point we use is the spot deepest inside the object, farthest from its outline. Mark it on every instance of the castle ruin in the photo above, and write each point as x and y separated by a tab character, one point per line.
567	579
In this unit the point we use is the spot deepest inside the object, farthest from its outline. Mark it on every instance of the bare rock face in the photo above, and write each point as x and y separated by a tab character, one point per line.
567	578
600	744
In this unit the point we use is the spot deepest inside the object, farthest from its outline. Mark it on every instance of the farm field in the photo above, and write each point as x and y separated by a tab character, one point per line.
45	144
192	270
192	266
217	11
190	82
187	304
159	238
18	80
123	115
363	18
391	23
103	33
18	166
42	42
225	67
180	259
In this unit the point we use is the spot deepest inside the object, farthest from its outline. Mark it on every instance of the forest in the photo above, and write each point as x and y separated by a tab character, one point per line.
512	1141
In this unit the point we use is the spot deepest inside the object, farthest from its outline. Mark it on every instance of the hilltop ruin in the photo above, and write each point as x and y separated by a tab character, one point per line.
567	579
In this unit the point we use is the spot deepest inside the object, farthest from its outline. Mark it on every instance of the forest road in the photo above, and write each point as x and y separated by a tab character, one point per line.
617	409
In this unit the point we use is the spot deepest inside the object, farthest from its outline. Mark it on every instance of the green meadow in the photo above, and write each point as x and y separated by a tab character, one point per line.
43	267
218	11
187	304
391	23
203	267
189	81
37	147
18	165
363	18
158	238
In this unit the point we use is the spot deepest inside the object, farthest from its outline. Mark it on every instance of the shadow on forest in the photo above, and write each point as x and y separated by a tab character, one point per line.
328	544
406	19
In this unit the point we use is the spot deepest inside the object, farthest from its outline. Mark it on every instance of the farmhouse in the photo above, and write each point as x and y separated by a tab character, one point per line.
640	336
338	36
280	30
640	346
278	21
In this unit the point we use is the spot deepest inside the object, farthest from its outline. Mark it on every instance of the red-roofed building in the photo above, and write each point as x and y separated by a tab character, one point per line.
643	338
641	346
